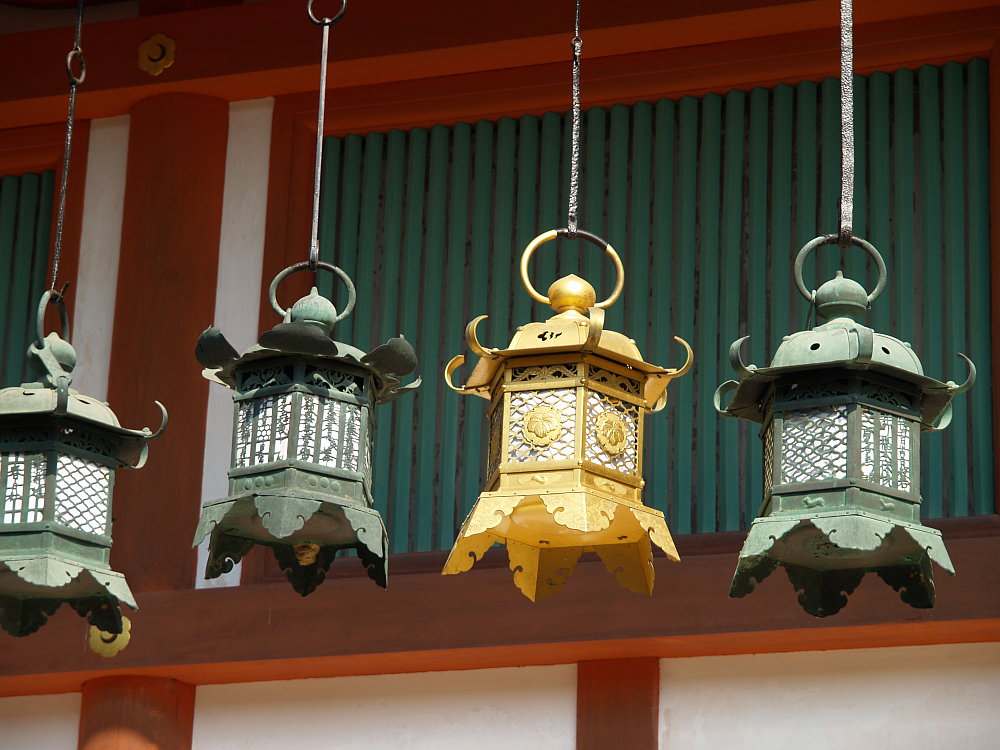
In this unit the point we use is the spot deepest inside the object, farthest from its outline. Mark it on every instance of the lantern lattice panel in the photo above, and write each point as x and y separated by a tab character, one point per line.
542	372
563	402
814	444
330	432
24	482
614	380
495	440
625	461
886	449
768	440
262	430
82	491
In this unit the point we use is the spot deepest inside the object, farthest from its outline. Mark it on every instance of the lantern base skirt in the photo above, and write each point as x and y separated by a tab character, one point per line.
827	555
33	587
305	533
545	534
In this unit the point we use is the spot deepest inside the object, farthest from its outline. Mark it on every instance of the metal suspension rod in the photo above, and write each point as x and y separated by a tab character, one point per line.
325	23
74	80
846	122
574	157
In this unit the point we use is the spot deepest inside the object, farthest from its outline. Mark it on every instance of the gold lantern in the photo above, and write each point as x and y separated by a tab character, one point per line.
564	465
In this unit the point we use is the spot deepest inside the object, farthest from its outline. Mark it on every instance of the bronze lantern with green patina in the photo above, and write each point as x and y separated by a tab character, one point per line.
841	409
301	471
59	450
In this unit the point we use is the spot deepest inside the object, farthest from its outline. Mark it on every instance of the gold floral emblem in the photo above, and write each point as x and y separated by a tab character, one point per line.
612	432
542	425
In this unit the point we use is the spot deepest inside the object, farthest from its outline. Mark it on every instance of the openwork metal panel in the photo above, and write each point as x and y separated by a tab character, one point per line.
82	491
814	444
23	477
262	427
25	221
612	433
542	425
708	199
330	432
886	444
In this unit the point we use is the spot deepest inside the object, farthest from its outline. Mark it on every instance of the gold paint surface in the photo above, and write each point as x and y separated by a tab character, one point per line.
612	432
107	644
156	54
305	553
541	425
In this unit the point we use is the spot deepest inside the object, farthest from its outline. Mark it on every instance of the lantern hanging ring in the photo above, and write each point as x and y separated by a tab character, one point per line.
76	54
57	299
833	239
352	294
326	21
579	233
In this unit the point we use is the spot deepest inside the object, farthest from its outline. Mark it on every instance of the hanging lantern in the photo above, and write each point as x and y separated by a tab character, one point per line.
564	466
841	410
58	455
301	473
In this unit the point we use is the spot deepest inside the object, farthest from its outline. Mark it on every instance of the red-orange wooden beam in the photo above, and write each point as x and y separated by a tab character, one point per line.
266	49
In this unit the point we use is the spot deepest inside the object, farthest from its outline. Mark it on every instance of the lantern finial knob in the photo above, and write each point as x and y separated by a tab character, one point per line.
315	310
571	293
841	298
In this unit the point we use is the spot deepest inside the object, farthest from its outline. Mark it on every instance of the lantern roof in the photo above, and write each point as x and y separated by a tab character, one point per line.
576	328
839	343
306	331
568	332
53	359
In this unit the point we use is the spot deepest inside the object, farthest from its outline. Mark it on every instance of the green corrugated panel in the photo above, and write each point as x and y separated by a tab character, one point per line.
930	246
878	230
977	210
952	277
25	222
682	251
753	321
661	459
730	495
708	273
708	201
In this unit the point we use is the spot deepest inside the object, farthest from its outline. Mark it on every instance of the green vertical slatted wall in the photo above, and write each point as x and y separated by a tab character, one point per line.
25	220
708	200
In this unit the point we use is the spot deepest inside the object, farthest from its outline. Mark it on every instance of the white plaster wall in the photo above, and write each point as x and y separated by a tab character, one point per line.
489	709
920	697
40	722
237	293
100	246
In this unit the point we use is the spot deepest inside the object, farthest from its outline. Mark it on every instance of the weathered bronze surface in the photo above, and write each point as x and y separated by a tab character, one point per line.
564	466
300	479
841	409
58	453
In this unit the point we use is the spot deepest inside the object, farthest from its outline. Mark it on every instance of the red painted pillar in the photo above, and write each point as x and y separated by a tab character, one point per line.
136	713
618	704
165	298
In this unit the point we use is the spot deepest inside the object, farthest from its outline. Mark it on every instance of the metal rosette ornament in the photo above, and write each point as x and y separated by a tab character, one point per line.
564	465
59	451
301	471
841	409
